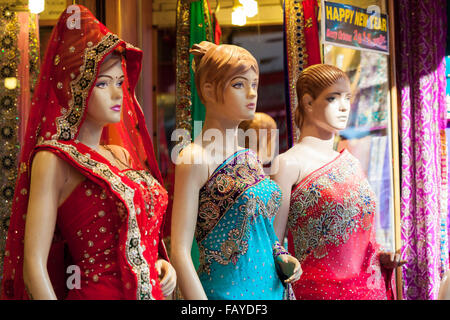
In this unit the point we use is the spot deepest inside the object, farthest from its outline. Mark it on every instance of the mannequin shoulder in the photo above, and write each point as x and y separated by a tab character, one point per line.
49	162
192	161
47	168
191	155
288	165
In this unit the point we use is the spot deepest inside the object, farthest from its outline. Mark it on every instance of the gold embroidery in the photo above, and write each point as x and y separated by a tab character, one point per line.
134	249
337	219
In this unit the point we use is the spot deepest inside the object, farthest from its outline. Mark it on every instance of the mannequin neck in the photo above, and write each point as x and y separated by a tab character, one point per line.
222	133
317	138
90	134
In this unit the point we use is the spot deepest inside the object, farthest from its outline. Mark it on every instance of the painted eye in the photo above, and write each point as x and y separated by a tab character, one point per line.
119	84
238	85
331	99
254	85
101	84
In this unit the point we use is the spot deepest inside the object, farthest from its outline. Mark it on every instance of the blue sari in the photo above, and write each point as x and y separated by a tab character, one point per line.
235	232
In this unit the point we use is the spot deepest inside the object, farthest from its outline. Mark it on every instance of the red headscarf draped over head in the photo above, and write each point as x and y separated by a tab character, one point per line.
78	45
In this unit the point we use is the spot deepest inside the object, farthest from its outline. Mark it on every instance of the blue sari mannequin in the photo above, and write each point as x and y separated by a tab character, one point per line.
225	199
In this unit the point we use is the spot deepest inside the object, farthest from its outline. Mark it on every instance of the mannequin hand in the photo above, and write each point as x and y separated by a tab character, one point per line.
390	260
167	276
290	267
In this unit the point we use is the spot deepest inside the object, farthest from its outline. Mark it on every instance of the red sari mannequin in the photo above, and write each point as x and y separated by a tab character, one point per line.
89	193
328	206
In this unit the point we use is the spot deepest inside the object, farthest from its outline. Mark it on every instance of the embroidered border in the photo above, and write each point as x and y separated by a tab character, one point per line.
183	76
223	188
134	249
296	54
9	115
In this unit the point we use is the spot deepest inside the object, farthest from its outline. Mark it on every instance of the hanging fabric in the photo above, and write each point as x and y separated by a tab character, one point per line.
421	77
301	50
19	68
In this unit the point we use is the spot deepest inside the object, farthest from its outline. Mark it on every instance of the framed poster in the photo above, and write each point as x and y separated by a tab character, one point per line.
353	27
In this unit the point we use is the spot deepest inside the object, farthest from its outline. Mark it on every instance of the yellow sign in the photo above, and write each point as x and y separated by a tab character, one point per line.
16	5
53	9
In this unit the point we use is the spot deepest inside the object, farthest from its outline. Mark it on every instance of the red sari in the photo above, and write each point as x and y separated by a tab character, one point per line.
331	232
109	226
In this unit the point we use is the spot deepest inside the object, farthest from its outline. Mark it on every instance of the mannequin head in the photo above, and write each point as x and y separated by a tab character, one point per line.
105	102
226	76
323	93
264	140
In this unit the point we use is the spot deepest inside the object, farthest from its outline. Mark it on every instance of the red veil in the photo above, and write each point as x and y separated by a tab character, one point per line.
78	45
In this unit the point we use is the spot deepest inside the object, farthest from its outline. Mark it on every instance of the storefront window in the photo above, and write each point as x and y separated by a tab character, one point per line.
368	135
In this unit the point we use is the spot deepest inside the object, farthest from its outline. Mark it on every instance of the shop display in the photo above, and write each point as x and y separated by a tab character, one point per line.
360	198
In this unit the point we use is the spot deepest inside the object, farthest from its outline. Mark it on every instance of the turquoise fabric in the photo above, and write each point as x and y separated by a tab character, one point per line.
238	260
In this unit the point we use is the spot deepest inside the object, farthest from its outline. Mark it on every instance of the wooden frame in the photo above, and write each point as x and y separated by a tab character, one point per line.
395	143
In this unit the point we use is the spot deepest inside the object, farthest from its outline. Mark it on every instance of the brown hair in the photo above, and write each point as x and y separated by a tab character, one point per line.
313	80
260	121
218	64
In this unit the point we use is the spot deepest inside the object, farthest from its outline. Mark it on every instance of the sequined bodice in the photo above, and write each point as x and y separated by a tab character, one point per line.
89	220
92	219
331	232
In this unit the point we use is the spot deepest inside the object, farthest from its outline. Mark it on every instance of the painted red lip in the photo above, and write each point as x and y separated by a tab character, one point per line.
116	108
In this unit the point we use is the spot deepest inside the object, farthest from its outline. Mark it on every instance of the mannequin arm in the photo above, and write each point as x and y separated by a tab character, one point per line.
47	179
189	178
285	175
444	289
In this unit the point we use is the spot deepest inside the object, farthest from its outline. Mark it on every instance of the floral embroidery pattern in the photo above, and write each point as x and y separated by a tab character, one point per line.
317	217
223	188
217	198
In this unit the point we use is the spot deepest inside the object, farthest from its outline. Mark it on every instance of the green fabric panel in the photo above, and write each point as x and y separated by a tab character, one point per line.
197	35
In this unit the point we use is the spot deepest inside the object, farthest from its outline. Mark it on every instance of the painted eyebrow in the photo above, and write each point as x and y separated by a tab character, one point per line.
104	75
244	78
339	93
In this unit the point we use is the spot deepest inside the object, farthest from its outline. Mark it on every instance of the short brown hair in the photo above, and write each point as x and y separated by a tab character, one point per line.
218	64
313	80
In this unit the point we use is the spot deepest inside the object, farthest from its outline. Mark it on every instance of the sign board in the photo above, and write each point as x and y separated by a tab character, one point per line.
53	9
354	27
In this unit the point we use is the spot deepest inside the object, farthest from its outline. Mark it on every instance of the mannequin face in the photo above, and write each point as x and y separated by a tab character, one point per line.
239	97
105	102
330	110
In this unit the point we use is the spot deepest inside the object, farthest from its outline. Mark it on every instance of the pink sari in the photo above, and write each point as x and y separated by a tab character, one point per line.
331	232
